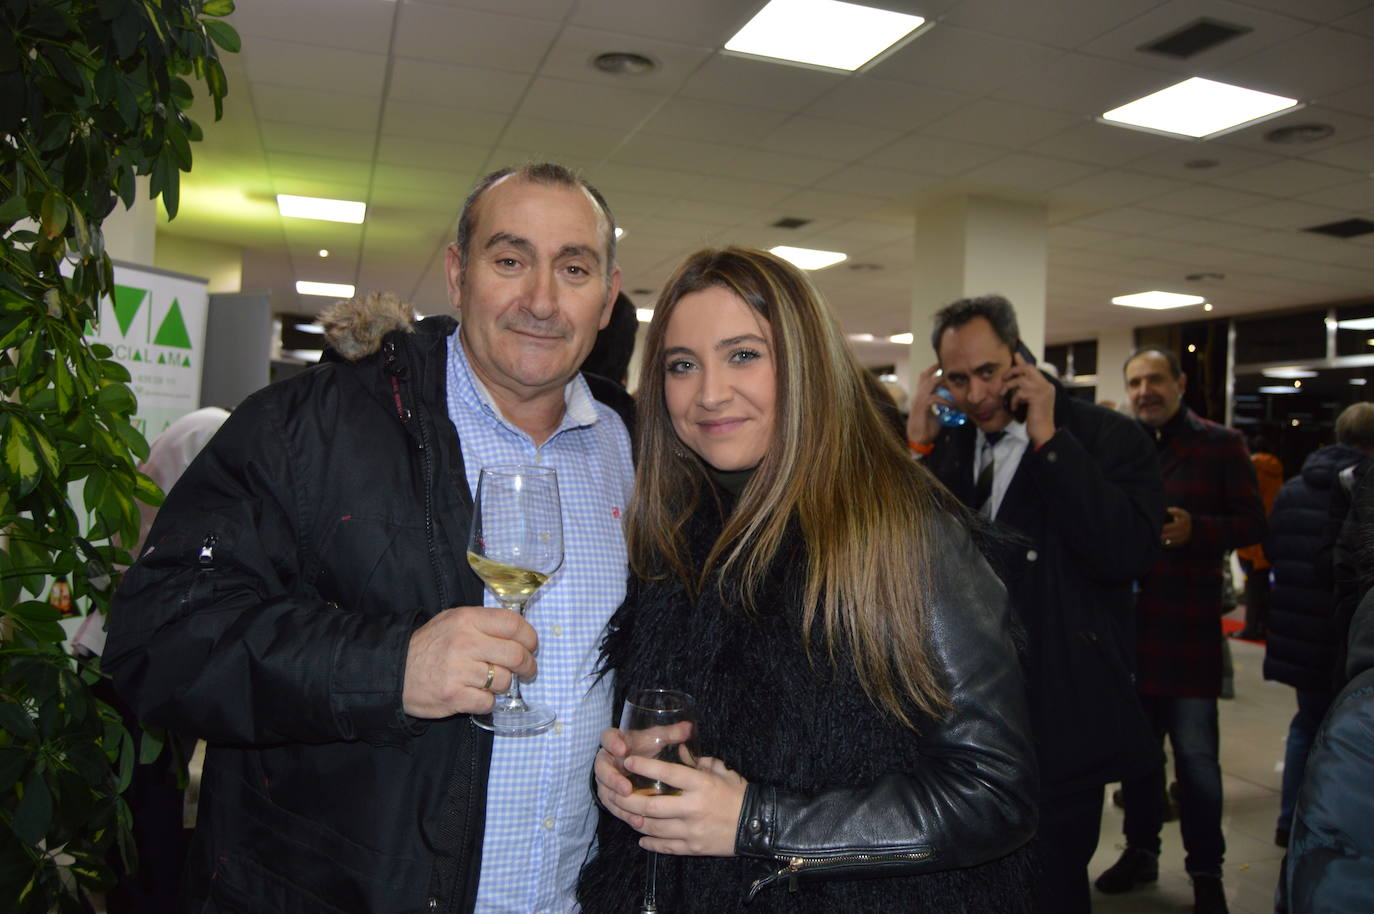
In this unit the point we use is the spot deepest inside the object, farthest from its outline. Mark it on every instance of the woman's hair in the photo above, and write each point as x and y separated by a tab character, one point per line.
863	507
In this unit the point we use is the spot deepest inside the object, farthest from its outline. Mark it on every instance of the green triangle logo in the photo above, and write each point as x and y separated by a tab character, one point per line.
137	357
173	330
127	301
162	360
186	361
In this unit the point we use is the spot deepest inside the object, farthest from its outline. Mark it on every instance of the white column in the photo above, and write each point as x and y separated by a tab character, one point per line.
1113	348
131	234
969	246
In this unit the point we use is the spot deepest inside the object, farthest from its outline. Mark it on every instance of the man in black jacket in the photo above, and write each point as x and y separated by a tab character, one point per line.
1077	487
305	605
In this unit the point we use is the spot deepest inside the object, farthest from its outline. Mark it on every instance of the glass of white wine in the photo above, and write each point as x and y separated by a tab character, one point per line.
658	724
515	546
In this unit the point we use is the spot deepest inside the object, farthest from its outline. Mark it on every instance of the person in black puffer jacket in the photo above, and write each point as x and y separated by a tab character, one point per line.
1302	639
860	703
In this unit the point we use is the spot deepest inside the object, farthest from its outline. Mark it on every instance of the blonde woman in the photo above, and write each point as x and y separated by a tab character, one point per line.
860	703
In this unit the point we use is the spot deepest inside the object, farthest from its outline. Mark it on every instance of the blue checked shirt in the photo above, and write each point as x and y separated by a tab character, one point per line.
541	813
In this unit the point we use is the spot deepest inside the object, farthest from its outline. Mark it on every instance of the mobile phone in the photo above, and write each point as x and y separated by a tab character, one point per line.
1020	412
948	416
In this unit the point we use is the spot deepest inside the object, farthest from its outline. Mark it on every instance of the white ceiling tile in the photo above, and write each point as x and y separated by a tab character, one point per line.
451	185
712	122
1287	178
728	189
1117	187
708	23
941	57
1361	21
1358	99
557	141
1029	172
320	109
431	153
1284	214
657	180
826	138
1172	161
813	203
738	80
882	103
303	66
1065	24
463	36
873	181
1356	196
1083	85
1308	66
1125	41
352	24
932	155
334	142
318	176
1312	10
1347	127
473	128
1357	155
1078	235
999	123
441	85
1101	144
530	9
868	232
1203	201
1127	220
575	48
606	106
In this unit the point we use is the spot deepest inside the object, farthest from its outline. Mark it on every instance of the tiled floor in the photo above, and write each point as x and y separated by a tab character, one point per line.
1253	728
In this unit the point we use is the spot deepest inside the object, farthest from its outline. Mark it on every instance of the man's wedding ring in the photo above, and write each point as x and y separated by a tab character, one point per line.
491	674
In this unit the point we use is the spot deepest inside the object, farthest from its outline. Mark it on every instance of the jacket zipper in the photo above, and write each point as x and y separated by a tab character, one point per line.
795	866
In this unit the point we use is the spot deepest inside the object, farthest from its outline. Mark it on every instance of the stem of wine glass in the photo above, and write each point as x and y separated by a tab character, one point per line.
510	699
650	905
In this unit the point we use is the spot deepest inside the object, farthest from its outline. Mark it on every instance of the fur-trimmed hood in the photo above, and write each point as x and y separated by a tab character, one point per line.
354	328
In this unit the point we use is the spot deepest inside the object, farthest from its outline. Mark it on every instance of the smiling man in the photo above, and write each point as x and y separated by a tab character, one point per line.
1079	488
305	604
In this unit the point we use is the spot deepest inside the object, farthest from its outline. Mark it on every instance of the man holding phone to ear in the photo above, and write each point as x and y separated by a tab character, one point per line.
1079	489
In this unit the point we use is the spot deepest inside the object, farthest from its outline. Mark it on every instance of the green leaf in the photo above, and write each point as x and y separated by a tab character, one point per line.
126	760
224	35
34	814
150	745
12	765
117	398
13	209
132	438
53	218
217	8
17	721
110	370
21	457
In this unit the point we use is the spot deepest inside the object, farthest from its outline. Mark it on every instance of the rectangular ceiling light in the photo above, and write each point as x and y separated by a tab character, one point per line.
808	259
1198	108
327	289
644	315
1358	323
822	33
1288	373
321	208
905	339
1157	301
1278	390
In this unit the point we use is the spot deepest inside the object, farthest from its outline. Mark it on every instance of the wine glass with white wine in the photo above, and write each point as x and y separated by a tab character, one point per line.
515	546
658	724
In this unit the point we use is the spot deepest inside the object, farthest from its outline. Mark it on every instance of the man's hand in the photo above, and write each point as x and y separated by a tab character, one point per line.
1030	386
450	656
922	426
1179	530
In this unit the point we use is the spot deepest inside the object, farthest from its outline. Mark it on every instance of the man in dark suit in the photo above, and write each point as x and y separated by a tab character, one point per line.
1078	489
1214	505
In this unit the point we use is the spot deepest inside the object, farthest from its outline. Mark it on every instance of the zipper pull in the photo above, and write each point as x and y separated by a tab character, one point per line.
207	549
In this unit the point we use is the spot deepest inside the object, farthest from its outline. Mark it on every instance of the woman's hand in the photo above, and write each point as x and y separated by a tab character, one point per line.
701	821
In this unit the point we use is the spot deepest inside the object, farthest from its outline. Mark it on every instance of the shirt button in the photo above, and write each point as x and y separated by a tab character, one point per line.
558	631
558	726
1032	555
1052	457
548	824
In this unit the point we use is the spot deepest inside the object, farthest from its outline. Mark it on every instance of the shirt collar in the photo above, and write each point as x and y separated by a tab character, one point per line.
579	407
1014	429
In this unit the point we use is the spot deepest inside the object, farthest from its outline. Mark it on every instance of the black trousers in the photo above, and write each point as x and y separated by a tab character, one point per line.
1069	826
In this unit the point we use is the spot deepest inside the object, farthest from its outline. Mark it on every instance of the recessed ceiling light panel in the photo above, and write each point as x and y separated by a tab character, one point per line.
905	339
1278	390
326	289
1198	108
1358	323
321	208
808	259
822	33
644	314
1157	301
1288	373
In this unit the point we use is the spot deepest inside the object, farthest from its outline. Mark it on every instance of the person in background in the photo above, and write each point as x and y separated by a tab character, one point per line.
606	368
1077	489
1213	505
1269	473
1301	649
860	705
305	605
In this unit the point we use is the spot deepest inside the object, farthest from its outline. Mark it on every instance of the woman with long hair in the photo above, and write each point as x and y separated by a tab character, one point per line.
860	703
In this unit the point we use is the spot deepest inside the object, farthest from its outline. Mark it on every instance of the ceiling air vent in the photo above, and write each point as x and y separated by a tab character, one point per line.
1346	228
791	222
1199	36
